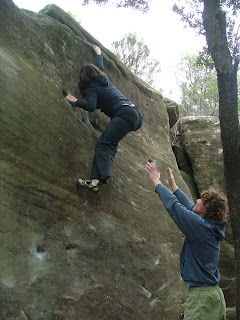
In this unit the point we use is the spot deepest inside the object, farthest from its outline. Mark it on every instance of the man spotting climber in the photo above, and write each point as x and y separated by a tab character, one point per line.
203	225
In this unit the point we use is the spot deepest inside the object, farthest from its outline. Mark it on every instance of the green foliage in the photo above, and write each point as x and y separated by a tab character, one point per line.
205	82
191	13
199	87
136	56
141	5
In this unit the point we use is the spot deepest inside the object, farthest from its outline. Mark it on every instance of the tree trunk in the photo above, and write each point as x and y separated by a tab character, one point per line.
215	26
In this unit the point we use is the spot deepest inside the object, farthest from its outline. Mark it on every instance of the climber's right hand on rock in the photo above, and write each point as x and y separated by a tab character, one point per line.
71	98
97	49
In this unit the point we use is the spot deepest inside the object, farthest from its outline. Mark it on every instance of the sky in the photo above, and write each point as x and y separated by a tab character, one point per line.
160	29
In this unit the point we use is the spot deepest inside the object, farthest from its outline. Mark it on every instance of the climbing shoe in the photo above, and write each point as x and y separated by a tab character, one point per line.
87	184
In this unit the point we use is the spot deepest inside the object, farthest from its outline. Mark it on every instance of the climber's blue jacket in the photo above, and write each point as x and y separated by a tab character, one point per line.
200	251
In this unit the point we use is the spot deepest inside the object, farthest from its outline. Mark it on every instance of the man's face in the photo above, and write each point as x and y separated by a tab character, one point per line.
199	208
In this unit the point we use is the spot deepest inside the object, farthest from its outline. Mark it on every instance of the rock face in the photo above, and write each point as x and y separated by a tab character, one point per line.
172	110
201	141
198	149
67	253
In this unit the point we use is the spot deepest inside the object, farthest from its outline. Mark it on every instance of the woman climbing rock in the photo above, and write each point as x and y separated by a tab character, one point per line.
99	93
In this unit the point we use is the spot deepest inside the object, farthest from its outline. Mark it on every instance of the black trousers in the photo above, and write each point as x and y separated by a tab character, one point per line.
127	119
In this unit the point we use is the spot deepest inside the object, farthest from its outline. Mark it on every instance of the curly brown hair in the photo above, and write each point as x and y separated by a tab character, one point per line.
215	204
88	73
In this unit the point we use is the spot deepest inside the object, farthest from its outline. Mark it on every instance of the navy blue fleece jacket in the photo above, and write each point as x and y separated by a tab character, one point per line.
200	252
102	94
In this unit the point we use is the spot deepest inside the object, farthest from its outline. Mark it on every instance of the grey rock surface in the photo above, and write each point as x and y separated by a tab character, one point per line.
201	140
67	253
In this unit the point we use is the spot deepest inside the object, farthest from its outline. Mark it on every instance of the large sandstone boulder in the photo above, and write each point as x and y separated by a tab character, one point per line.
67	253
